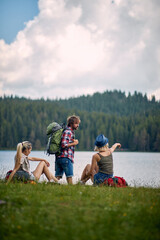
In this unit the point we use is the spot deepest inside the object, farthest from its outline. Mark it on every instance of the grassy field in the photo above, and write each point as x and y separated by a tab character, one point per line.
47	211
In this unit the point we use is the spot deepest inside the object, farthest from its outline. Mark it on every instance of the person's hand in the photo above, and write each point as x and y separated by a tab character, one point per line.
119	145
47	163
76	142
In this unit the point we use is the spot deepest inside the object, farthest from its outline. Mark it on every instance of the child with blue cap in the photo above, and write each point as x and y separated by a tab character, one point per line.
101	167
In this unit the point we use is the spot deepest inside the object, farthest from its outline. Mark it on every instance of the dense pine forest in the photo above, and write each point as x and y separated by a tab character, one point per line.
114	102
132	120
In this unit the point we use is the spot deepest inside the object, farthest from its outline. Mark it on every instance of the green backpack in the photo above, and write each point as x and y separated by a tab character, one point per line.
54	133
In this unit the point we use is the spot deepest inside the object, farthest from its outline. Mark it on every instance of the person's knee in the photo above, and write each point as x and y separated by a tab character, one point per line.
88	166
42	165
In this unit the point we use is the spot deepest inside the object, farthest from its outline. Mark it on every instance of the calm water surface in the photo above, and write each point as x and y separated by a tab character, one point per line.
139	169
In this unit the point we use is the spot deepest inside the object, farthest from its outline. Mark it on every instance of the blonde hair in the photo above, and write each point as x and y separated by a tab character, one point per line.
100	149
21	147
73	119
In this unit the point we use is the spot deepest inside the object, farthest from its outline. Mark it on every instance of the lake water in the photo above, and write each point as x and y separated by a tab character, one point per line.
139	169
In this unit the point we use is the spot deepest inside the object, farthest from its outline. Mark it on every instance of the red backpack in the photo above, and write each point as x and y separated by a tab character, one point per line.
8	174
116	182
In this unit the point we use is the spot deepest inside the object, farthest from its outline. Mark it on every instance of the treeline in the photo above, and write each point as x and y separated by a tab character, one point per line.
114	102
25	119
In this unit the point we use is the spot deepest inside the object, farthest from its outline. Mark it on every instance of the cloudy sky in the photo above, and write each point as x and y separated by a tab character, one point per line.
64	48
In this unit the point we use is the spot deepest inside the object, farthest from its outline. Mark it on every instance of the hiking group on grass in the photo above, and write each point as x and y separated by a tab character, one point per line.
100	169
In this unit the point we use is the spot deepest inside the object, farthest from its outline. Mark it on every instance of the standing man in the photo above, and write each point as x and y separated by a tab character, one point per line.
64	162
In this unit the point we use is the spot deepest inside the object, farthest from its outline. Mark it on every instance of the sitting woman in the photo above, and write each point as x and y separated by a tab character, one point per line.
101	167
21	169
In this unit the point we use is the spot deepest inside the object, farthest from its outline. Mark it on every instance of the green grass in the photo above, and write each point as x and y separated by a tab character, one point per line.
45	211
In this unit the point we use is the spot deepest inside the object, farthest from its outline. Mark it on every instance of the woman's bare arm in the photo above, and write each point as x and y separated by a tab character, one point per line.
39	159
94	163
114	147
17	166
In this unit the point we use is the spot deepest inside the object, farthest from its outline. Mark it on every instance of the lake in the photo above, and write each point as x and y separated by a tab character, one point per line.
137	168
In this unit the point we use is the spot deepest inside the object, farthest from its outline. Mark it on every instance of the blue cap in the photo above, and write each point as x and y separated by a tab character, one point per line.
101	141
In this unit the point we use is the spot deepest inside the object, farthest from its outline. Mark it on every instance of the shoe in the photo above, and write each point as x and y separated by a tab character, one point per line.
53	182
81	182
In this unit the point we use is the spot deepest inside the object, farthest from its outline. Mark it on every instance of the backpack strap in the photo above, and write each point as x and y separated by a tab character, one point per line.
99	154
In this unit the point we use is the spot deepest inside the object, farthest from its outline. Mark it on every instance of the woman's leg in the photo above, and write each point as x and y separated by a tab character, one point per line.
86	173
69	180
42	168
94	172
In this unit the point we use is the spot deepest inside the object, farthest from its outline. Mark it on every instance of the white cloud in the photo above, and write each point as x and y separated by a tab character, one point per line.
77	47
